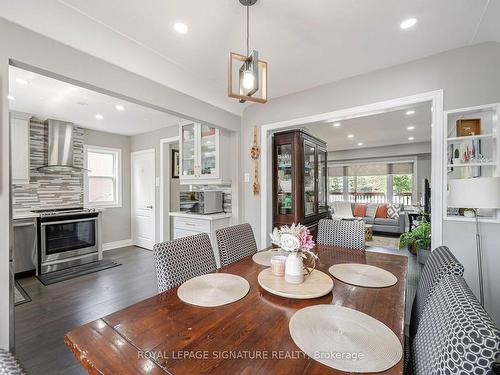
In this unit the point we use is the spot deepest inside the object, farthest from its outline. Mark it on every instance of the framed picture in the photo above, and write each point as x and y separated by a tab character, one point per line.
175	163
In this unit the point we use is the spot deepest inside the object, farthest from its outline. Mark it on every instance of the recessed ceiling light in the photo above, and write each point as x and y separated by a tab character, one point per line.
406	24
350	136
99	117
336	124
410	112
410	127
10	97
180	27
21	81
411	138
360	143
119	107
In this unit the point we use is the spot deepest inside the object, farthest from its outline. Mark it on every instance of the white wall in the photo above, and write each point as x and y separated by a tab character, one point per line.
36	50
469	76
115	221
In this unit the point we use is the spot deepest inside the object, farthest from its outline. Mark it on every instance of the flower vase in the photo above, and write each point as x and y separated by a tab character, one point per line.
294	269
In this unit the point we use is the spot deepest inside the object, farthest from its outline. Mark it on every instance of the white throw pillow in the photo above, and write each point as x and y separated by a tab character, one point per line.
393	211
342	210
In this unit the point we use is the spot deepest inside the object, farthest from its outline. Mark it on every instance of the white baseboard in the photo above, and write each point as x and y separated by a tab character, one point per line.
117	244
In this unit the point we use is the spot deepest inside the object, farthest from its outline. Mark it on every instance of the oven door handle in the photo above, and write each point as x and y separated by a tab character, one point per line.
69	221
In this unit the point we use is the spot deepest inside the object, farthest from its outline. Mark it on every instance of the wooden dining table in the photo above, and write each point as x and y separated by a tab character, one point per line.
164	335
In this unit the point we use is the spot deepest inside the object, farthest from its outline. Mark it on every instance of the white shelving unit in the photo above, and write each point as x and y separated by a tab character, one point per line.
489	149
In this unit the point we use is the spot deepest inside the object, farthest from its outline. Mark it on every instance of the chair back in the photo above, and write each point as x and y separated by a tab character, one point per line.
342	233
182	259
235	243
10	365
441	262
456	335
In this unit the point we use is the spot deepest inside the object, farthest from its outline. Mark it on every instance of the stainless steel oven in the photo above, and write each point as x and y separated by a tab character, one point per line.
67	239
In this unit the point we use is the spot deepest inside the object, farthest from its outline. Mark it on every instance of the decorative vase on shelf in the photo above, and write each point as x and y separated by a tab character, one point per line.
294	269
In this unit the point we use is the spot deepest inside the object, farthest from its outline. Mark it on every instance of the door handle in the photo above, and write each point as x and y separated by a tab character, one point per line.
149	207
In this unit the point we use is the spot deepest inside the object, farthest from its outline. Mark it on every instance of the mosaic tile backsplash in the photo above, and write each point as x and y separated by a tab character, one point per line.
49	189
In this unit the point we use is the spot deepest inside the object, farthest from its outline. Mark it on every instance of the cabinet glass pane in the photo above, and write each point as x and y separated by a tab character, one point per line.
208	150
309	179
284	167
322	207
188	150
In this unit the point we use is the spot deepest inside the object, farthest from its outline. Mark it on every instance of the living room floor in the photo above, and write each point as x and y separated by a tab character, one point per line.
381	240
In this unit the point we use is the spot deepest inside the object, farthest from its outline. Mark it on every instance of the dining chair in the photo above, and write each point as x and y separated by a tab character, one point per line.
235	243
441	262
10	365
342	233
182	259
456	335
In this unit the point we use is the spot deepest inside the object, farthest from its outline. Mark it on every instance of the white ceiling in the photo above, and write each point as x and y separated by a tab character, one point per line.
306	43
385	129
46	97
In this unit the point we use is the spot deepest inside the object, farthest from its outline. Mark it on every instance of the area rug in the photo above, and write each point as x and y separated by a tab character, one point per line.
20	295
70	273
382	241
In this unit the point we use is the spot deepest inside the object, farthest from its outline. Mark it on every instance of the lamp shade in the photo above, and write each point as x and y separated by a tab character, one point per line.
481	192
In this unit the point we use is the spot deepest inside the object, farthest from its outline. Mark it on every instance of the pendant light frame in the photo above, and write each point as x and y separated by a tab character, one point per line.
249	62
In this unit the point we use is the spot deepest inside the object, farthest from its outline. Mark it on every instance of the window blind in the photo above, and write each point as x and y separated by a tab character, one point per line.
375	169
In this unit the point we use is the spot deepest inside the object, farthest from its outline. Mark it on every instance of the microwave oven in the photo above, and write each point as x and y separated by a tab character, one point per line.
202	202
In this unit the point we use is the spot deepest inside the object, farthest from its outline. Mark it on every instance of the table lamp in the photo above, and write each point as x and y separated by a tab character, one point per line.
480	192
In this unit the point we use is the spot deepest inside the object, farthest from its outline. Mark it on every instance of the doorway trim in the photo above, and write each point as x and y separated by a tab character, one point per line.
132	206
437	149
164	186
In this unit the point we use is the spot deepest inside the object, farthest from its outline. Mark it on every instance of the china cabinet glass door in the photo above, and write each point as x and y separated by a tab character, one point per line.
188	134
208	151
284	168
309	179
322	184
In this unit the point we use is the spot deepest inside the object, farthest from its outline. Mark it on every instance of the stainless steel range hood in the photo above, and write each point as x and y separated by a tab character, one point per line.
60	146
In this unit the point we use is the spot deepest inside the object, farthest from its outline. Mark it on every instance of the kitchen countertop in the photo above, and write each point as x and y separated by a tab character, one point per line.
222	215
24	215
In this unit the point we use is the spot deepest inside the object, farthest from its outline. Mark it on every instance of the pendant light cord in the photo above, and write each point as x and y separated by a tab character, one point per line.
248	30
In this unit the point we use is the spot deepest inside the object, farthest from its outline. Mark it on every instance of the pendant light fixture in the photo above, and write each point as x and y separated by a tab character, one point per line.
251	72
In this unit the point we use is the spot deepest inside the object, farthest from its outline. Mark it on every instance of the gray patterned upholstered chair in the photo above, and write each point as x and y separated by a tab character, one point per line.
235	243
441	262
342	233
182	259
456	335
9	365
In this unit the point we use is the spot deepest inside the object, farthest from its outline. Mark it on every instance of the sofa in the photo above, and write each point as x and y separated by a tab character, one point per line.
386	224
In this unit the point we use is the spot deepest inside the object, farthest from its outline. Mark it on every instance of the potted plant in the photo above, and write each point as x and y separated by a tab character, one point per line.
420	236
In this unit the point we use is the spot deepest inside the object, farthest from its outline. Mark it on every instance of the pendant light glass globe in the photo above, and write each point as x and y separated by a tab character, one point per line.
248	81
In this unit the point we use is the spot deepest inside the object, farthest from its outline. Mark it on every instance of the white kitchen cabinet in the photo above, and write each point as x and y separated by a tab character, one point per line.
186	224
204	154
20	147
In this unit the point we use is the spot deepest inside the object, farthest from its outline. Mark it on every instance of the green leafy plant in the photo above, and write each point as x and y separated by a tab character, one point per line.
421	236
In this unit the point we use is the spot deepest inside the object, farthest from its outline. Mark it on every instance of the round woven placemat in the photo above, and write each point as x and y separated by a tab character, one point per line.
363	275
264	257
213	289
345	339
315	285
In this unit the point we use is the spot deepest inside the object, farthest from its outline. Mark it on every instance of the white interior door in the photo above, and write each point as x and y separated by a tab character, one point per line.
143	198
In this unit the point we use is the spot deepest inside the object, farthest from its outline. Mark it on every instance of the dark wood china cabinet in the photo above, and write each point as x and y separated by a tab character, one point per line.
299	179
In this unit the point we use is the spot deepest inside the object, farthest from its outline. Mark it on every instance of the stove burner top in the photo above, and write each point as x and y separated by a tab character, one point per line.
63	211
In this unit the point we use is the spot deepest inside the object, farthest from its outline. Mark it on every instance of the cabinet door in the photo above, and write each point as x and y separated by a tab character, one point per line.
284	183
209	151
322	180
20	148
310	193
188	146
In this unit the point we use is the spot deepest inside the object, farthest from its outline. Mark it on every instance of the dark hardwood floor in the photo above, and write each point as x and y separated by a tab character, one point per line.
57	308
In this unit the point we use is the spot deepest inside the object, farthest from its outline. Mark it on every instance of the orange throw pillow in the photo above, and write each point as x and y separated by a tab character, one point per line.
360	210
381	211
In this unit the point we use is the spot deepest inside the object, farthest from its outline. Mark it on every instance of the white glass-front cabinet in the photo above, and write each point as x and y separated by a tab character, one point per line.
200	154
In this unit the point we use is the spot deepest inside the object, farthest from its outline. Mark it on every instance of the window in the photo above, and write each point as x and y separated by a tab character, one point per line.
372	183
103	177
